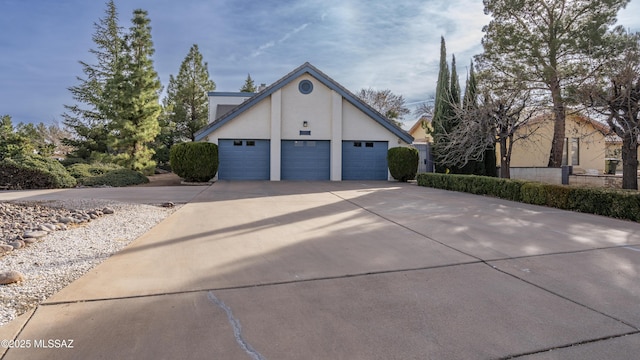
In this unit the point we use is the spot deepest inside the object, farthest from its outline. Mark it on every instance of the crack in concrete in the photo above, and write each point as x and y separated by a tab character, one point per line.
591	341
237	328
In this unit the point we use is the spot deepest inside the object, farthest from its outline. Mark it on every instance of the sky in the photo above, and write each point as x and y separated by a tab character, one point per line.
381	44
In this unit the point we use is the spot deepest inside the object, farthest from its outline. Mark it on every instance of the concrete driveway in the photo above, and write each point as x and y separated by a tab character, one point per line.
353	270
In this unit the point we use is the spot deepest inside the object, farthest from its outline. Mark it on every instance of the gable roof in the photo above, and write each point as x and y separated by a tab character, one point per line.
419	123
322	78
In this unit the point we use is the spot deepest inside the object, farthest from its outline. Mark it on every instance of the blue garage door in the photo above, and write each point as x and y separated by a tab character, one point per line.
305	160
243	159
364	160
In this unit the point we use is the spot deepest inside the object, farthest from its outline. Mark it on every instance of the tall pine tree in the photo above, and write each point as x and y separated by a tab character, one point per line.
187	104
134	91
249	85
85	119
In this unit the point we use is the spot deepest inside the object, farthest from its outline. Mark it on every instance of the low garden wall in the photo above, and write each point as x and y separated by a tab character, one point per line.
543	175
602	181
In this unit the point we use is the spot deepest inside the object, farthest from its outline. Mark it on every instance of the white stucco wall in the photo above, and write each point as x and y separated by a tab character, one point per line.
314	108
254	123
357	125
222	98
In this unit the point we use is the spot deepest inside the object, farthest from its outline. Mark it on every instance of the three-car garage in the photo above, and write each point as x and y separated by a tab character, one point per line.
248	159
304	126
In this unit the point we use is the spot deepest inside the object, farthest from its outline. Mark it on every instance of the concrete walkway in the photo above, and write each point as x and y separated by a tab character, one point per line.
352	270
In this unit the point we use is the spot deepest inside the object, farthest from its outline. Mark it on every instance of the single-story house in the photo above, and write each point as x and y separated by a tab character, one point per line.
419	130
585	144
304	126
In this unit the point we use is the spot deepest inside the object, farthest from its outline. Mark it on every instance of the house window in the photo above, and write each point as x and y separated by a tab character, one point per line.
251	143
565	152
237	142
575	151
369	144
357	144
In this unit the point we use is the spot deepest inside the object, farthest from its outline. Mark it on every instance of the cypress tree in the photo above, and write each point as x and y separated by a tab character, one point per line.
441	107
134	90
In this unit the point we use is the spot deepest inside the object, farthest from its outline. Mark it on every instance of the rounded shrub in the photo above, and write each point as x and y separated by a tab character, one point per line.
34	172
403	163
194	161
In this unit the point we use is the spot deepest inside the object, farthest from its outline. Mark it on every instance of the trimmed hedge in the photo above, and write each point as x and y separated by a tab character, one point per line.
621	204
34	172
403	163
194	161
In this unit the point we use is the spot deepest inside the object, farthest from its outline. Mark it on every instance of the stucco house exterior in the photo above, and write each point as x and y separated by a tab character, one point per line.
585	145
304	126
419	130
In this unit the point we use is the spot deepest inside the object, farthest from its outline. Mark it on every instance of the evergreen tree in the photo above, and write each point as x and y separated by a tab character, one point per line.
134	91
187	104
85	119
249	85
12	143
443	109
439	108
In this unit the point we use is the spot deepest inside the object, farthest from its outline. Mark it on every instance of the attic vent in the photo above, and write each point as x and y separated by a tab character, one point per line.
305	87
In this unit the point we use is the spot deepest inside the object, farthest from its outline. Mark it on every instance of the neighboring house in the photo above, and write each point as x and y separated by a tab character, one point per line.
422	142
419	130
305	126
585	145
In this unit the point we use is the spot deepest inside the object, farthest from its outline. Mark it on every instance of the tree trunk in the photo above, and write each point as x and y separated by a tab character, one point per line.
505	162
557	144
629	162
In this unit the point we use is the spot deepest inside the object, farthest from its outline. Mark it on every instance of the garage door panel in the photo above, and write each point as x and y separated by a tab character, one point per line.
364	160
243	159
305	160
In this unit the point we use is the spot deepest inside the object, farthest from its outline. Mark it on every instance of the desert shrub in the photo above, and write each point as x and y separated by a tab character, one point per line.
34	172
403	163
195	161
80	170
116	178
72	160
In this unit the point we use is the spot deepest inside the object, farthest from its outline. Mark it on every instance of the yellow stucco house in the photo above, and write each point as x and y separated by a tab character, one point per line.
419	130
586	144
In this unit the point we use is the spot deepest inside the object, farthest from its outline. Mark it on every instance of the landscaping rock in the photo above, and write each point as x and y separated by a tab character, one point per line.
5	248
35	234
108	211
17	244
10	277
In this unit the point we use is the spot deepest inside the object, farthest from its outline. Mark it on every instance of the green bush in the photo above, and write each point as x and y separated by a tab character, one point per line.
116	178
79	170
622	204
403	163
194	161
34	172
72	160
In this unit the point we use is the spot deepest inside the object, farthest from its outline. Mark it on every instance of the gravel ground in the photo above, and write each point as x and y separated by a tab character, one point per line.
63	256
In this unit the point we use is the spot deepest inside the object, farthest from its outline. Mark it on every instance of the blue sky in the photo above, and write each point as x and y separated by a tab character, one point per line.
359	43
